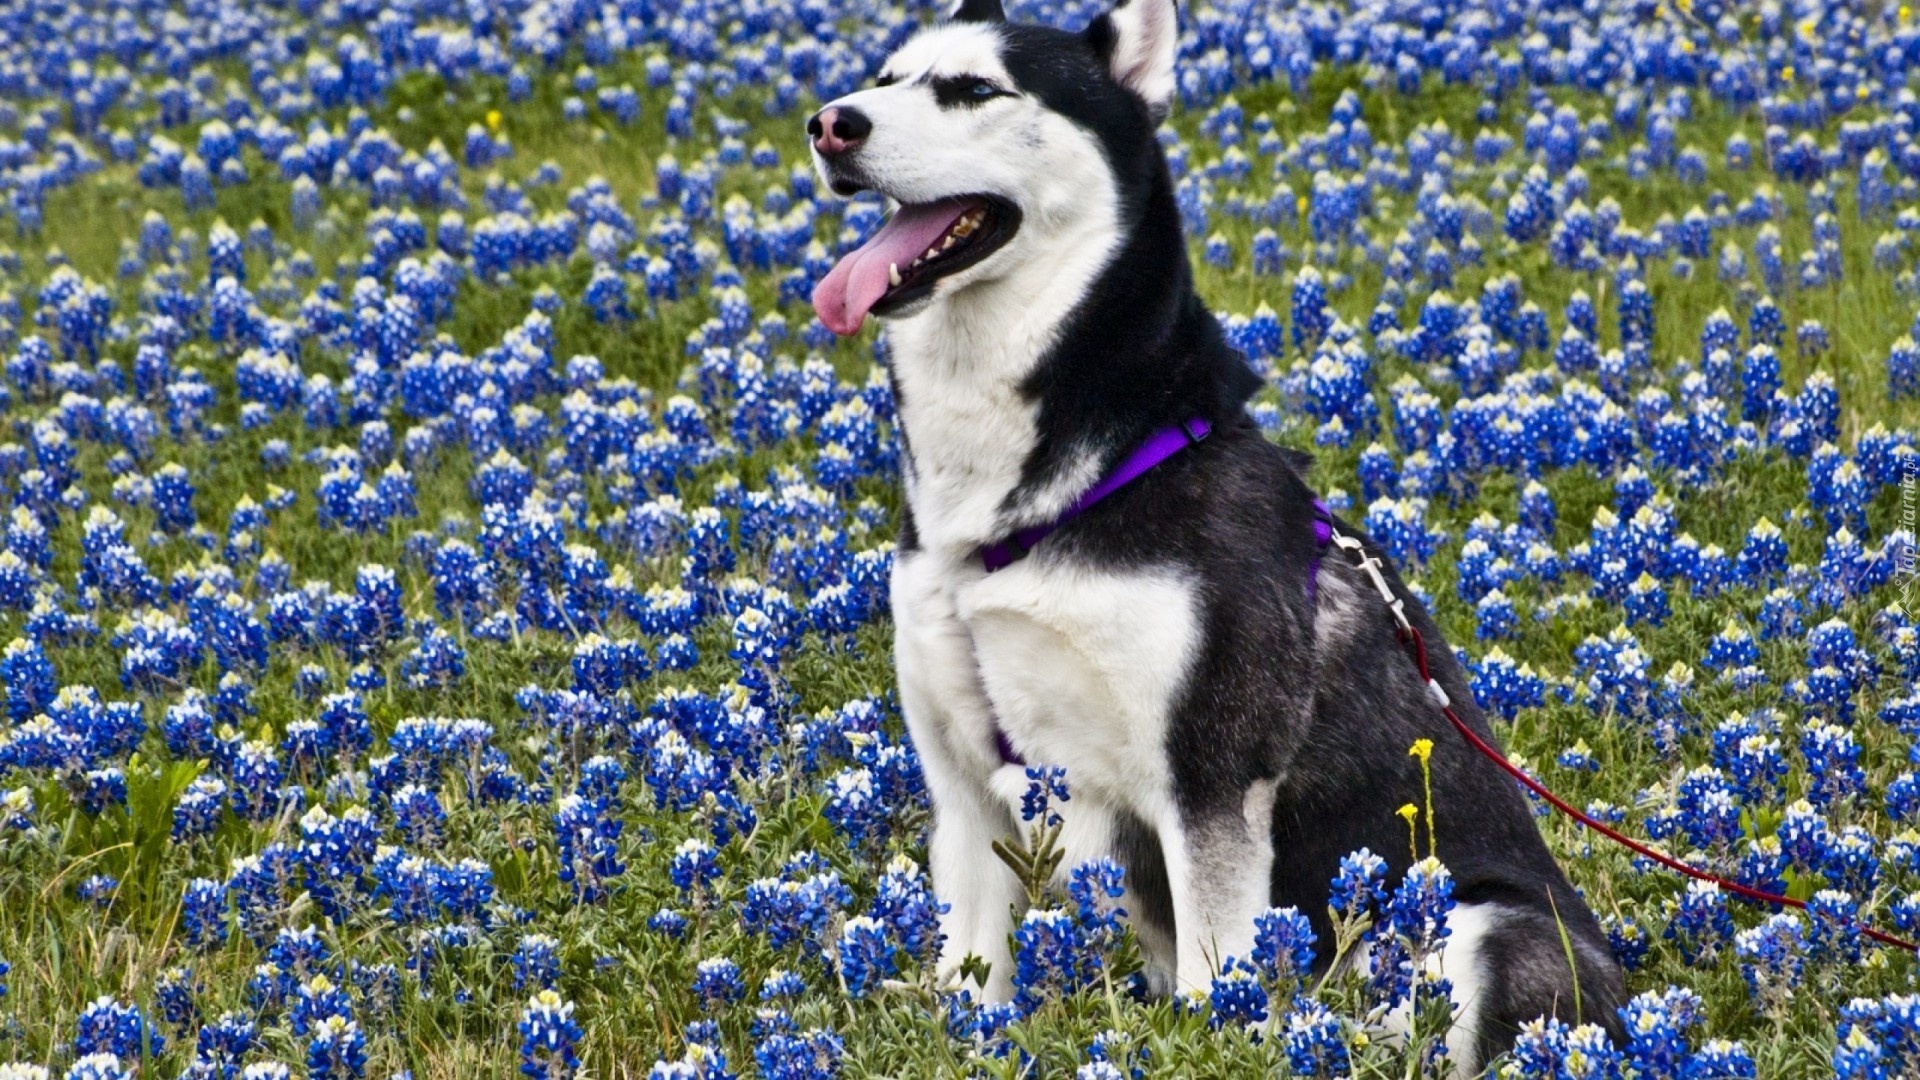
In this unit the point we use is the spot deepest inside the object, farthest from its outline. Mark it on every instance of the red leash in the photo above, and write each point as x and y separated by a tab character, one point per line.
1417	646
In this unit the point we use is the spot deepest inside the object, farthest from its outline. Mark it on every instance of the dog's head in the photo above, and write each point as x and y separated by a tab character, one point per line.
993	139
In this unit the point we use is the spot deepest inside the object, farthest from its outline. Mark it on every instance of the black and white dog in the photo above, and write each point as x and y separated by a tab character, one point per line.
1229	731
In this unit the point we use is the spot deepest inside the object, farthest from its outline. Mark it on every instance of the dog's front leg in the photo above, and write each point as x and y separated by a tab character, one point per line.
980	891
952	727
1219	876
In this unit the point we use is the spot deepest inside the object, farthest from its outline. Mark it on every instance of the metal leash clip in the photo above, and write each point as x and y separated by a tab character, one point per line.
1370	566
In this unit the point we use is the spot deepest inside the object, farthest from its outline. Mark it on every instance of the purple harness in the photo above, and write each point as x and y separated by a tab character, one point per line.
1322	536
1159	446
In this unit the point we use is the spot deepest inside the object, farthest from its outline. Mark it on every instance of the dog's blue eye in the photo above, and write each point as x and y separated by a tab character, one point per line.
964	91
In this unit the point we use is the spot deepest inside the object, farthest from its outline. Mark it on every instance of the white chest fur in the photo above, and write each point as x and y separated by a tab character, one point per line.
1083	668
1078	667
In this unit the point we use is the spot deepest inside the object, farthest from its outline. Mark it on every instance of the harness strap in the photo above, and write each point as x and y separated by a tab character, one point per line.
1322	536
1159	446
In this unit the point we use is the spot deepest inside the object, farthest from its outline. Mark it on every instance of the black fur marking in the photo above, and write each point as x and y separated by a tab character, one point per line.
1326	713
1138	852
1101	36
979	11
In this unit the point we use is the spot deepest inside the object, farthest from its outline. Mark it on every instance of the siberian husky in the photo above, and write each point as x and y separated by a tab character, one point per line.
1234	714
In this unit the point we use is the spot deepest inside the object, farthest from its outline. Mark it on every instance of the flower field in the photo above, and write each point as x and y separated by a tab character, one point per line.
444	562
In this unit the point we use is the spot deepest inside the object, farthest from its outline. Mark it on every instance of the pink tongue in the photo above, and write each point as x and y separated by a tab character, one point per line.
859	280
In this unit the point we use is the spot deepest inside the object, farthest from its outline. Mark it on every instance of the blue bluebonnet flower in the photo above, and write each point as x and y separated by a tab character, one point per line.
1051	957
1903	369
122	1030
1413	925
905	902
203	913
1628	939
1658	1027
28	677
1833	926
1360	887
1773	957
315	1001
437	662
1699	924
1546	1047
97	889
418	815
781	983
548	1036
812	1055
789	910
1316	1040
1046	784
1283	946
717	982
1496	615
693	866
1504	688
588	852
865	955
1237	995
1723	1057
536	963
1832	757
221	1047
1876	1037
98	1067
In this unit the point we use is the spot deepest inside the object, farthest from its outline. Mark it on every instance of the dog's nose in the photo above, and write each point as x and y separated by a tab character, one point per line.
837	129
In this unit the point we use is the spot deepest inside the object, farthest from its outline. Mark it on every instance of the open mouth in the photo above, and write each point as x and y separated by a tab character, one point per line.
919	245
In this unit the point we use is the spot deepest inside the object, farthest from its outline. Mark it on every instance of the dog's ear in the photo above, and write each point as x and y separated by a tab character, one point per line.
1137	39
978	11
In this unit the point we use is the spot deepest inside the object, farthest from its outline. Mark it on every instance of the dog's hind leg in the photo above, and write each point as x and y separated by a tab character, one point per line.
1219	862
1508	964
1464	962
1537	961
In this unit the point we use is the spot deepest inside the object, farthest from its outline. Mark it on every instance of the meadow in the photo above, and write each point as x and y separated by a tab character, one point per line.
444	565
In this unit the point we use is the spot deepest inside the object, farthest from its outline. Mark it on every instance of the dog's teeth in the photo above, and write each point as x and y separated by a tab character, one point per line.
893	274
932	253
947	243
